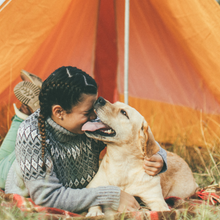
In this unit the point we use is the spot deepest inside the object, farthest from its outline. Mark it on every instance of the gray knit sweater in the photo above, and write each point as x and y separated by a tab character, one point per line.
72	161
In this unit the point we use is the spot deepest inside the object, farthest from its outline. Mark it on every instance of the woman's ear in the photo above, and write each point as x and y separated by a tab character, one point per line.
57	112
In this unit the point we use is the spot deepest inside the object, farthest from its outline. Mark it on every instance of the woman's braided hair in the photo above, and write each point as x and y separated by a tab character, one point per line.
63	87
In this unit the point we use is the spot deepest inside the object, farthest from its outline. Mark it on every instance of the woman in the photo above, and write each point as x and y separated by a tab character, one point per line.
55	160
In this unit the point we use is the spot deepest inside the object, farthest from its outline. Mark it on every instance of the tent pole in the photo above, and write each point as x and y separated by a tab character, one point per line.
126	51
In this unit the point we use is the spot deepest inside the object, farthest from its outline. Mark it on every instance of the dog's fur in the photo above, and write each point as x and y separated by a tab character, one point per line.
122	164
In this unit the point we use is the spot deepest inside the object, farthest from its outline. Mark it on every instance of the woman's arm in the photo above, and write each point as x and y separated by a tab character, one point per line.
50	193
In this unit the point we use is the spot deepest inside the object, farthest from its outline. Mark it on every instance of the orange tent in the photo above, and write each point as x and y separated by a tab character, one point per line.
173	57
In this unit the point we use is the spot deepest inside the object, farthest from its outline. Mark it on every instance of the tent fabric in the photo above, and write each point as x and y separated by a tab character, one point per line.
173	57
173	67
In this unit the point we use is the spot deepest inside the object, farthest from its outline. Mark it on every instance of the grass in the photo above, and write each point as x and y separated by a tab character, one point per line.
204	163
204	212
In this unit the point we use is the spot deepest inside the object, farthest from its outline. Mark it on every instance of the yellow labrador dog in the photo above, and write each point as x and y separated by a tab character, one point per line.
129	139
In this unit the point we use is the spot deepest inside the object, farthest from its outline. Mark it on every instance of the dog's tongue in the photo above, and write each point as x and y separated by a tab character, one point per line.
93	126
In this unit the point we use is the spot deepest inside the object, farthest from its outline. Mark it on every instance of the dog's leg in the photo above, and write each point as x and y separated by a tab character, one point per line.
100	179
156	204
150	192
154	199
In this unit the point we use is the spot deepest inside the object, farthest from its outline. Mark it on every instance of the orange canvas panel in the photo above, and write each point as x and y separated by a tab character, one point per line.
195	25
171	56
71	42
23	28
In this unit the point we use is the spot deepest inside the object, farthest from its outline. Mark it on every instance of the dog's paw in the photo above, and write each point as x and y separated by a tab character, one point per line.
164	209
160	208
91	214
95	211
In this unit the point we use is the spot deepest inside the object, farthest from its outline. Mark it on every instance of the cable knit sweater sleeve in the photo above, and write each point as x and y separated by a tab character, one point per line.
163	154
49	192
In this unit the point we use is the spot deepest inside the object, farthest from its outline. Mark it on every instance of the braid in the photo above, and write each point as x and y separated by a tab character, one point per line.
63	87
41	125
42	118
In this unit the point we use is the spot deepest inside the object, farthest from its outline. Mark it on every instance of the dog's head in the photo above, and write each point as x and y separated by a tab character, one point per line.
121	125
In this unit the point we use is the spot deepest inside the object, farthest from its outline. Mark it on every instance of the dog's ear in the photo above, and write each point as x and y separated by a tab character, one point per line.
150	146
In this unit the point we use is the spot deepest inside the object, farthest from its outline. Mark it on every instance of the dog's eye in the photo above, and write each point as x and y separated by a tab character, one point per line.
124	113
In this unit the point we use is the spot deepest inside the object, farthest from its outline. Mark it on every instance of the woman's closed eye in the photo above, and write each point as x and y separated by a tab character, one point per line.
87	114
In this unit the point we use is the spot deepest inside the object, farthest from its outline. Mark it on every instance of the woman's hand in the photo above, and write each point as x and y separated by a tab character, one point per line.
127	203
153	165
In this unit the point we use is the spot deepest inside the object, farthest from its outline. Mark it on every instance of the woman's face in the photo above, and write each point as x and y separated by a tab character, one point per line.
81	113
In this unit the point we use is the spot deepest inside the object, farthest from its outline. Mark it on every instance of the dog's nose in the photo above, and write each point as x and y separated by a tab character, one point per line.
101	101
